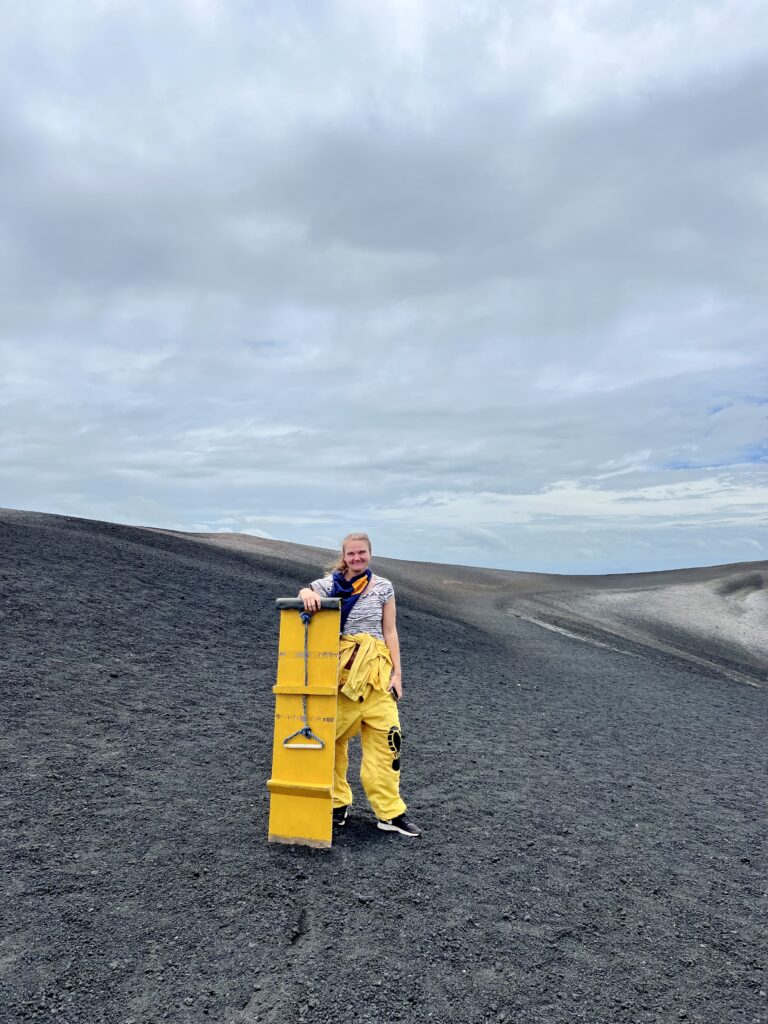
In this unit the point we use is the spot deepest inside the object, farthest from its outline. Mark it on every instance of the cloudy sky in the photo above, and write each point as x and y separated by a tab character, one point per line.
487	279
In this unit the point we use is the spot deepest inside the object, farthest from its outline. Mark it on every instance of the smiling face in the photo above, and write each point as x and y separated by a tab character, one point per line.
357	555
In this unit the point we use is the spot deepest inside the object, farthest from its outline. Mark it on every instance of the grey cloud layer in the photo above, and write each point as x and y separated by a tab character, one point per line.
290	269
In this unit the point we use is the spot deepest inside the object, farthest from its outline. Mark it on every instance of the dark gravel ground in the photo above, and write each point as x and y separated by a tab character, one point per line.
595	822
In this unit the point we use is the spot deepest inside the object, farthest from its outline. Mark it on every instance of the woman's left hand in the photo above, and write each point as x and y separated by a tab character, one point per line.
396	685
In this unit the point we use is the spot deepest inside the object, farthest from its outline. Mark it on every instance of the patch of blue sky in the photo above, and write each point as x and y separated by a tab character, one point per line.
263	344
754	454
741	400
757	453
696	464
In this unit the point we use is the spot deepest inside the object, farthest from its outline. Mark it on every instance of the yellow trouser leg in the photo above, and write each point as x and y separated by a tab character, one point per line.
380	768
377	719
348	716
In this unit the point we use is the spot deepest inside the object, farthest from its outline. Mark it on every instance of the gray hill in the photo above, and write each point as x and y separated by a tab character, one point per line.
586	756
713	616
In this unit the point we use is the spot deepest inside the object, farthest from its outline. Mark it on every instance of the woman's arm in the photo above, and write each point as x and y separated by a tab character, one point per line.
391	639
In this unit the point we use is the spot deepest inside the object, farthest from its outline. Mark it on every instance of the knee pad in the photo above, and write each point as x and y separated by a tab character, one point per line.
395	741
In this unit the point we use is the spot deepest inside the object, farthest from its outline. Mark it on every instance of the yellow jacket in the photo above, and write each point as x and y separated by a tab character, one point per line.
371	668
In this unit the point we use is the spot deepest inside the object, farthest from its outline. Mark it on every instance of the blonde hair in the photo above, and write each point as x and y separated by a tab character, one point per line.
340	565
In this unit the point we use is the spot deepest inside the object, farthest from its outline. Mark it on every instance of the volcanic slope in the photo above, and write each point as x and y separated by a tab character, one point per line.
593	805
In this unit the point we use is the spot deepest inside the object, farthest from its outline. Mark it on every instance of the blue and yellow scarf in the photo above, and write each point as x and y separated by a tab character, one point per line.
349	591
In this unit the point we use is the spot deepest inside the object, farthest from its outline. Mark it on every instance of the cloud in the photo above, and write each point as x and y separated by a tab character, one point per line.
284	267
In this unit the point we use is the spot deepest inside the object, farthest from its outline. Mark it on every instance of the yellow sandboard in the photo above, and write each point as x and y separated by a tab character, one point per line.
301	787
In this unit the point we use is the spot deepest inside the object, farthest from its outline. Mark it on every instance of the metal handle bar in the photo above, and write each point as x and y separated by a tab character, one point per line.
295	603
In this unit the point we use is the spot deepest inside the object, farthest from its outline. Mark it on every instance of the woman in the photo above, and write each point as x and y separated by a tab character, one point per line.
370	683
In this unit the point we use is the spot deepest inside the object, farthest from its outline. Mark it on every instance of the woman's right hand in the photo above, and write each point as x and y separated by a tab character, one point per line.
310	598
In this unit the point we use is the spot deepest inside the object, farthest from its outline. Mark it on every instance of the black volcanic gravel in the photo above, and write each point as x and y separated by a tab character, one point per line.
595	822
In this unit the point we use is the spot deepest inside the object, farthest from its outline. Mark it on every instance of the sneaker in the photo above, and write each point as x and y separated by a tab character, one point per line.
340	815
399	824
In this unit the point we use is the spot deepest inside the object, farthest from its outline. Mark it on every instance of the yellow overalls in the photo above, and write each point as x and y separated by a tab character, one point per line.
365	706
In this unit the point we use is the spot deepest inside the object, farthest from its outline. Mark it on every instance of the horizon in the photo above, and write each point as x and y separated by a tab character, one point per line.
389	557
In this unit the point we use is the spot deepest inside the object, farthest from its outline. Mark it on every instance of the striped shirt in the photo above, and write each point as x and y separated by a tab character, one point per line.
367	611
